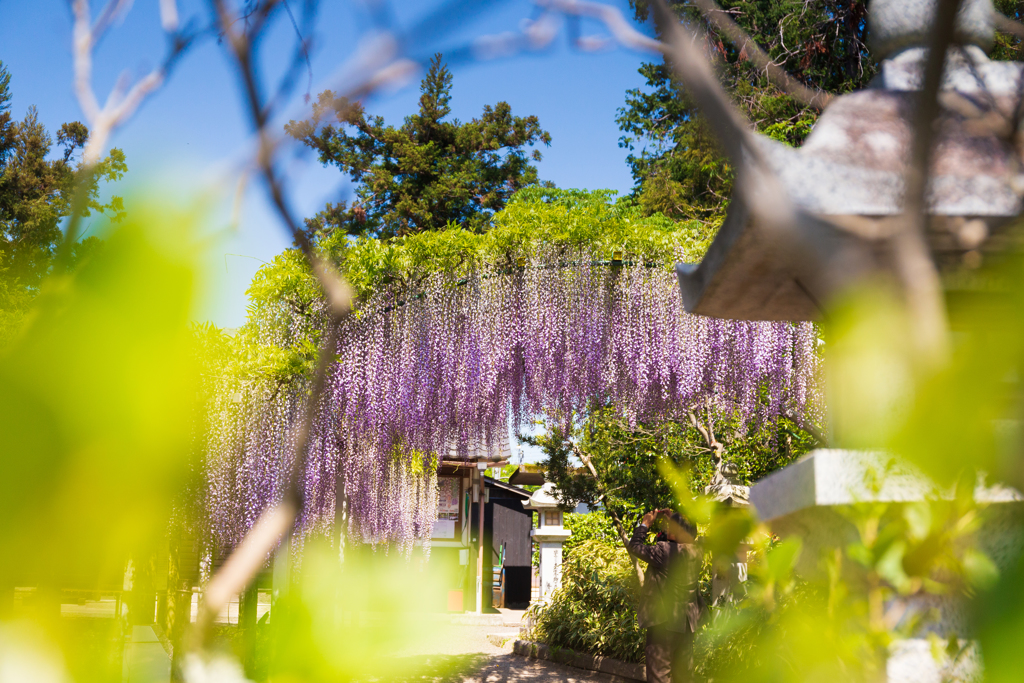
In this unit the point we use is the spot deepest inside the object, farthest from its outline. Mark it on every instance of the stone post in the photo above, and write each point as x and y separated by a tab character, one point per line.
806	500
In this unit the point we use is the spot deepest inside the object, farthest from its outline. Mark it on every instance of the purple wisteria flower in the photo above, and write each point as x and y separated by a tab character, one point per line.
457	359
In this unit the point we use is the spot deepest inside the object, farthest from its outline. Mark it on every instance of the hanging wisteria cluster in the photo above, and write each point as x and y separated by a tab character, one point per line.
452	361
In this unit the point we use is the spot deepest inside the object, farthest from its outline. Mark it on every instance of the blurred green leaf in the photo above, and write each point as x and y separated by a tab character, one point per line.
919	519
890	567
980	570
97	400
781	559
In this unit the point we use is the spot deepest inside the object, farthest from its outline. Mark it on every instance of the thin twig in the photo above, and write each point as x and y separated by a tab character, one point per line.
120	105
278	522
803	424
697	76
1008	25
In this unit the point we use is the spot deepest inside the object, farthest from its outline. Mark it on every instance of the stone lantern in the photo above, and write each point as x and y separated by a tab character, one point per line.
848	182
550	534
848	177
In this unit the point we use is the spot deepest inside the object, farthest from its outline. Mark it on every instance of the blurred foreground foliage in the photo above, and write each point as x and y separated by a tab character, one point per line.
100	390
97	389
347	621
96	394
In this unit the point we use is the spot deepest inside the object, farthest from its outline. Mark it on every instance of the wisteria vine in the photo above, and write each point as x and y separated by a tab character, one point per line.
456	357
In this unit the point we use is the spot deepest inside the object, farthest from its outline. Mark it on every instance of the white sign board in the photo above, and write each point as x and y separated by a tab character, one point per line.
443	528
448	490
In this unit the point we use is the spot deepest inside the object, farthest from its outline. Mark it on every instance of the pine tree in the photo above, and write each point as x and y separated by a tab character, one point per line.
426	174
676	164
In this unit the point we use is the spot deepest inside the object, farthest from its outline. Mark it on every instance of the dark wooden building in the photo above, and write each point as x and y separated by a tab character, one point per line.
507	528
506	576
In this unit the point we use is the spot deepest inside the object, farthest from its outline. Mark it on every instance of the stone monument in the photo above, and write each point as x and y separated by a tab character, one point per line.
550	534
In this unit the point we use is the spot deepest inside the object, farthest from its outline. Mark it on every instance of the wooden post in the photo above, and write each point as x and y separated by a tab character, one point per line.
142	601
480	548
183	567
247	625
281	572
340	503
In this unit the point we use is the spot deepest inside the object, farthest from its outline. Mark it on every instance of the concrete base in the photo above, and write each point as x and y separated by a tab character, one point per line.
614	667
807	500
474	619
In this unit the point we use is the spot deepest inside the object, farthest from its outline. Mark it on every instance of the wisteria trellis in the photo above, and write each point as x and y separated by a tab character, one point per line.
456	360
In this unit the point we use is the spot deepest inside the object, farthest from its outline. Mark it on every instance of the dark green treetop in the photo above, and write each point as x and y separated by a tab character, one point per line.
36	191
36	194
425	175
675	160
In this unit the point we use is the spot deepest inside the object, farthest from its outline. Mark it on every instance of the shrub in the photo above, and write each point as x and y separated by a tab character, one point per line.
594	611
590	526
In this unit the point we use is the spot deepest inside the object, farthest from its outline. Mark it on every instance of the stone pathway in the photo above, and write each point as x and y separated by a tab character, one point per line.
462	653
496	668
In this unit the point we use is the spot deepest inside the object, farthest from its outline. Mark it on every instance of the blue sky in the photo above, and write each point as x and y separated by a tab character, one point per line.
192	135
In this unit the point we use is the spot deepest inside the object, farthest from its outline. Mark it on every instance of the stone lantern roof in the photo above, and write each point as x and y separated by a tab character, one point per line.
850	173
543	499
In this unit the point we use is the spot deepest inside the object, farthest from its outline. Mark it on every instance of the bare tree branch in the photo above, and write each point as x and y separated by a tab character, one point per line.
808	427
121	104
611	17
748	47
915	267
697	76
619	527
277	522
1008	25
232	578
169	15
708	434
